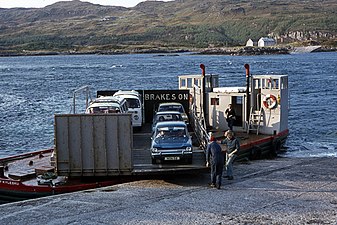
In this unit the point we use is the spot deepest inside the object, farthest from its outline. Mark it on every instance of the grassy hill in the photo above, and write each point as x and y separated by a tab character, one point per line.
77	26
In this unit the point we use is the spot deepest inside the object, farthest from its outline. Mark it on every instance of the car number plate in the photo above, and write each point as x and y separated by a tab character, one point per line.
172	158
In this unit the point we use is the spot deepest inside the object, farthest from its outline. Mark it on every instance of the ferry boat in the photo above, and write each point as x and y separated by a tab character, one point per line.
102	149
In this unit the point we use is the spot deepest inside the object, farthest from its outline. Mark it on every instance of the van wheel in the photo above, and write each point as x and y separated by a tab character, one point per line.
137	129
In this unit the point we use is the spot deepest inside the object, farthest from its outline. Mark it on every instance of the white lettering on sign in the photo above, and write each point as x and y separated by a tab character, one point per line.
165	97
183	96
9	182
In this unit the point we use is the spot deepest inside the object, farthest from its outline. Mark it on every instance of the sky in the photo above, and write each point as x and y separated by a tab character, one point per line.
43	3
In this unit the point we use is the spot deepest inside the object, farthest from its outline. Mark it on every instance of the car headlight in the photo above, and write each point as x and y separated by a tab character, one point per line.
154	150
188	149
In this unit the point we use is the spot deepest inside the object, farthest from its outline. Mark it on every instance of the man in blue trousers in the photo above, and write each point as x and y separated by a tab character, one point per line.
233	147
215	158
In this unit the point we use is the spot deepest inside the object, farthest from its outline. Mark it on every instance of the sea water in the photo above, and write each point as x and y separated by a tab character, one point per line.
34	88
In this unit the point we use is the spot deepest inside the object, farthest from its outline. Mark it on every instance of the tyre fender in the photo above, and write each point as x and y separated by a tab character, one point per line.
255	153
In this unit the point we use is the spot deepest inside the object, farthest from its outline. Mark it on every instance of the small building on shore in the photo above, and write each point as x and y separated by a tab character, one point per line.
265	41
251	43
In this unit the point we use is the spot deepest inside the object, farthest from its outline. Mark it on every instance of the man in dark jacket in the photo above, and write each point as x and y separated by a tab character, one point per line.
215	158
230	116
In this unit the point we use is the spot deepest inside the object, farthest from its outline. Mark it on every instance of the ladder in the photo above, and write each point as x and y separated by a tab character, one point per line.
256	119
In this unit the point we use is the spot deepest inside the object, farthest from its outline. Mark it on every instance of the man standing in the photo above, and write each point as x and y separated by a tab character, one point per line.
233	146
230	116
215	158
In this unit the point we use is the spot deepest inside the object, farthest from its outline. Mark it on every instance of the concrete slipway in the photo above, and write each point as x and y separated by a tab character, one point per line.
279	191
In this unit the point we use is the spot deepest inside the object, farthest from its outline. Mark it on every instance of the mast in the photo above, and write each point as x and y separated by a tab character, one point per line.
204	106
247	92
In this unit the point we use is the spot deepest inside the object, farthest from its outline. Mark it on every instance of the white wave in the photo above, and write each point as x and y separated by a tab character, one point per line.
8	101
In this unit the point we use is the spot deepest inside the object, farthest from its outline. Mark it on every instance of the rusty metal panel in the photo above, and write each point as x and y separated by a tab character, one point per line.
112	143
74	138
93	144
124	147
61	131
87	154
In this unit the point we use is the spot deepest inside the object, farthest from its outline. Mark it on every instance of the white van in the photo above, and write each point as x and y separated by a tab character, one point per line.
134	106
108	104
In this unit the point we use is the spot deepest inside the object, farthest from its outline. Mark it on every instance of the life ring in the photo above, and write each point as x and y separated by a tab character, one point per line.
270	101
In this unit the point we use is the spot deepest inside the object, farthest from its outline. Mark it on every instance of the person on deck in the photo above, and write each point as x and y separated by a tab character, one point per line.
233	147
160	134
230	116
215	158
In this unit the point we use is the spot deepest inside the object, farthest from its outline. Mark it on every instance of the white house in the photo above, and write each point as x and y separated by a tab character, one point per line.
250	42
264	41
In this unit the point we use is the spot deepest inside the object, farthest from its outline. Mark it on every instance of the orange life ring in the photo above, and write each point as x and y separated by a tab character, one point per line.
270	101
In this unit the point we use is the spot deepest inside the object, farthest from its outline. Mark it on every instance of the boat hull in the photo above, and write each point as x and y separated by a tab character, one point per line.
11	190
268	146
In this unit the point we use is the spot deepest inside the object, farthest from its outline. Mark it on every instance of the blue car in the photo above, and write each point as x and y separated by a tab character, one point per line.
173	106
166	116
171	142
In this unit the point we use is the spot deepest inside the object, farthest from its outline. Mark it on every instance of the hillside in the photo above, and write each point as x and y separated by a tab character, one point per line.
80	26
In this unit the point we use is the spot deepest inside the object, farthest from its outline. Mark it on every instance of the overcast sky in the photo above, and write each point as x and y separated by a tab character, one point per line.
43	3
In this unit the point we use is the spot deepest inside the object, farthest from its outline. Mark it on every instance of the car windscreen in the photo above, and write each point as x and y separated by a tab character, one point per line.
171	131
133	103
168	117
104	110
177	108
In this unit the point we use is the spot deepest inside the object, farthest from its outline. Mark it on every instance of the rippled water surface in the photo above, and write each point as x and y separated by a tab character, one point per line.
33	89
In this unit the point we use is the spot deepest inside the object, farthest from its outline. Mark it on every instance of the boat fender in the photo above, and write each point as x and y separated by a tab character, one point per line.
2	172
276	148
255	153
190	98
278	99
270	101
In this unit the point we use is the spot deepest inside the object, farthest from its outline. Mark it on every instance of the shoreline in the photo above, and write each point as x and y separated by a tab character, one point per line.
234	51
276	191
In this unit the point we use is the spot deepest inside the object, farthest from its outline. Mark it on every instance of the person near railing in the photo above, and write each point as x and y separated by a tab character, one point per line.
230	116
233	147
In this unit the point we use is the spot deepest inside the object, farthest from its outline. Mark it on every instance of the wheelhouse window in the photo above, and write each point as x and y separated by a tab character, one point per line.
197	82
182	82
189	82
215	101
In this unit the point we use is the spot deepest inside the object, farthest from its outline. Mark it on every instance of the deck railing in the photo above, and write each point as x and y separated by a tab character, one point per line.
198	124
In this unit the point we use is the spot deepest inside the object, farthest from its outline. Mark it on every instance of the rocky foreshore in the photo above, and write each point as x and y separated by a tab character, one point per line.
278	191
246	51
203	51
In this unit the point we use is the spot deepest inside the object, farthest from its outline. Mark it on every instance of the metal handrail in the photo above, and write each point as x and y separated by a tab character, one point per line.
87	92
198	123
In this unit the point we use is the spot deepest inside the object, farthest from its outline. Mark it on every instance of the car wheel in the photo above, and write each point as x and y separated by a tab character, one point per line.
154	161
189	160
